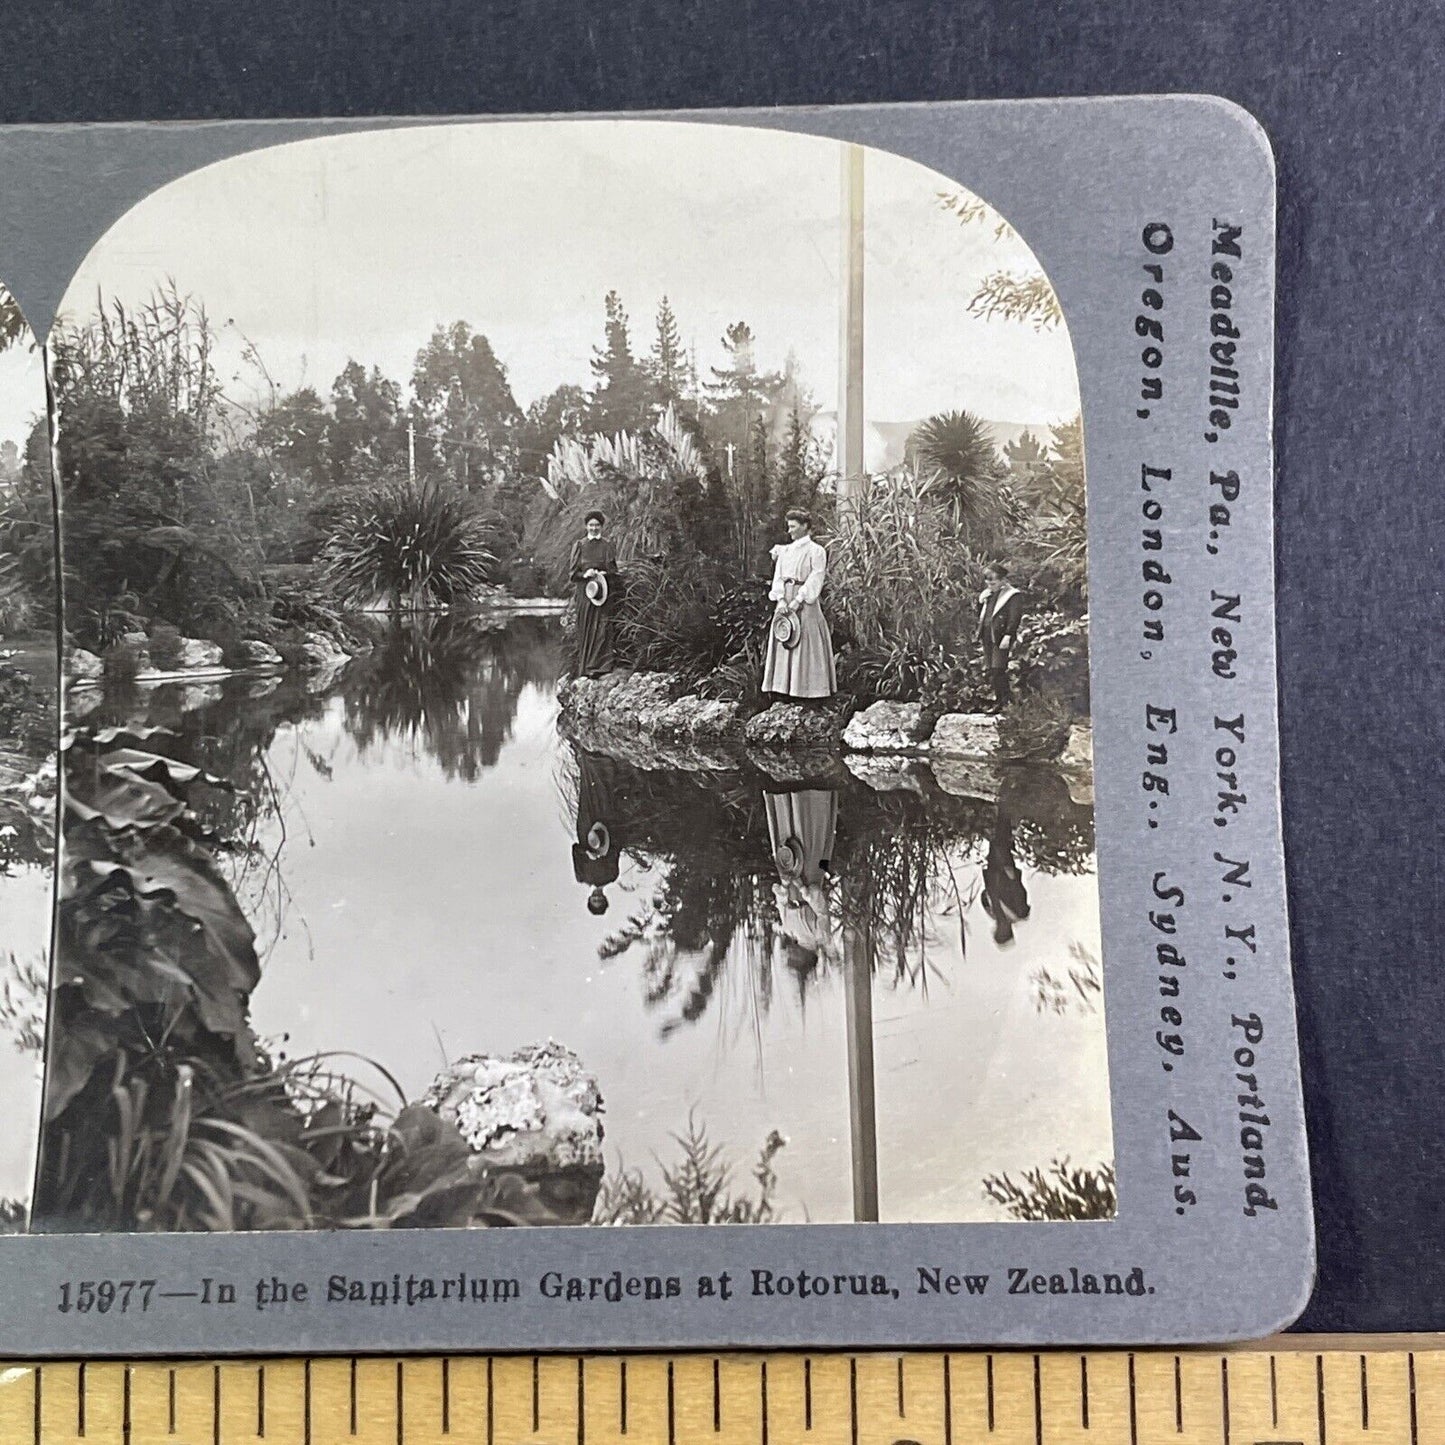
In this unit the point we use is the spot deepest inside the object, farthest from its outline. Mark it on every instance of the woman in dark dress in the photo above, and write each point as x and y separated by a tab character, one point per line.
595	581
597	853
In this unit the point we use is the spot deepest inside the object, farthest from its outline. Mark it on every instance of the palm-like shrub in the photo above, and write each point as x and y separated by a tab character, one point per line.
956	451
414	545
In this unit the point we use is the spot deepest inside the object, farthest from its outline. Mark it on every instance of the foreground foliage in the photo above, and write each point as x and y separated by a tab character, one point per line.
1062	1191
694	1188
162	1109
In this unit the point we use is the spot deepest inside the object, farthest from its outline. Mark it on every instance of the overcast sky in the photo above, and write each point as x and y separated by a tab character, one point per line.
357	246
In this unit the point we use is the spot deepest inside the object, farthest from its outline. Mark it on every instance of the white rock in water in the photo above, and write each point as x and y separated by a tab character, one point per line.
196	652
966	778
193	695
886	727
82	702
318	650
256	653
83	666
537	1110
787	725
321	676
885	774
965	735
1079	749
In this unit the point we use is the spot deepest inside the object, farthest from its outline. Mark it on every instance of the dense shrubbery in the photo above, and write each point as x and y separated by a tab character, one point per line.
906	567
186	515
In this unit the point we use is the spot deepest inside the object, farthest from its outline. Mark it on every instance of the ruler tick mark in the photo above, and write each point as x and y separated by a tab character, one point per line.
1084	1390
353	1394
807	1394
1038	1404
853	1399
902	1410
305	1401
38	1388
1273	1395
80	1401
1224	1395
988	1375
216	1405
400	1403
1364	1395
171	1401
1320	1394
622	1399
491	1403
1133	1407
947	1403
125	1406
1410	1375
1179	1397
536	1394
672	1406
446	1397
261	1402
716	1394
581	1400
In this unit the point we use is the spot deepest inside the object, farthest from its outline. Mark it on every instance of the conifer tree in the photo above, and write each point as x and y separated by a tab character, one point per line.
797	482
668	363
619	396
738	392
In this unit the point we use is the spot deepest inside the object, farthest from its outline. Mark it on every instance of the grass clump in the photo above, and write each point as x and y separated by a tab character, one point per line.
694	1187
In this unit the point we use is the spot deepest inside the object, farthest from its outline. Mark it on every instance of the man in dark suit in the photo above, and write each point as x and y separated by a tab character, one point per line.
1000	611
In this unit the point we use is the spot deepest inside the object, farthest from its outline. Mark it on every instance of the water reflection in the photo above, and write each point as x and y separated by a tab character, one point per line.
711	940
803	828
1005	897
746	873
596	855
450	685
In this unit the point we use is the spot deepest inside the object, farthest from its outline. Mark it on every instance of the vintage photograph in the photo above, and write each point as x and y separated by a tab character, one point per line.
576	698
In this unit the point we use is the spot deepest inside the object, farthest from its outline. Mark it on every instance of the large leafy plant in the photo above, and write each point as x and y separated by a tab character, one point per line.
413	545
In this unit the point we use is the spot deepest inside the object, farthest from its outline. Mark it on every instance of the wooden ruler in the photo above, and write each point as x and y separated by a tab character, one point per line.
1387	1390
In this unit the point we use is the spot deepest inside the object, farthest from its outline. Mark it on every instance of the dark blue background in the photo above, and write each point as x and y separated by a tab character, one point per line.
1352	96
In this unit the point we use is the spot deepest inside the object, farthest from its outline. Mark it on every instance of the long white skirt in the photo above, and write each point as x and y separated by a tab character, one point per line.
807	669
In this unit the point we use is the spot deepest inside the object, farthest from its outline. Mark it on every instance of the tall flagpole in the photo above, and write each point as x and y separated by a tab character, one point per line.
850	339
857	931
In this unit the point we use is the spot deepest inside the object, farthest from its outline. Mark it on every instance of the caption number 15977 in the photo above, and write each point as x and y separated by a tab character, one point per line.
124	1296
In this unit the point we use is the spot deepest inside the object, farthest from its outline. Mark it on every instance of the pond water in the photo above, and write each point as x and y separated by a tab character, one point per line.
425	843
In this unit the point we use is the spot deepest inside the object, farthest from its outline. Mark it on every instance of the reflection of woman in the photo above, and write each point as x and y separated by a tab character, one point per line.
801	828
800	647
596	855
1005	898
595	582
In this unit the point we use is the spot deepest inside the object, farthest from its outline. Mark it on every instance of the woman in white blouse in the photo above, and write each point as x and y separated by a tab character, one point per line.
800	646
